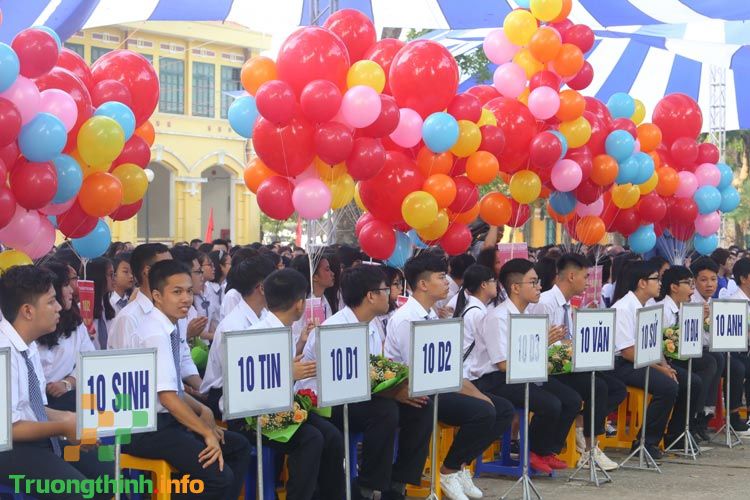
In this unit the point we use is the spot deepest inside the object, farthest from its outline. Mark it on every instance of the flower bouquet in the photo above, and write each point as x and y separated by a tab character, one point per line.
385	373
323	412
671	341
559	359
281	426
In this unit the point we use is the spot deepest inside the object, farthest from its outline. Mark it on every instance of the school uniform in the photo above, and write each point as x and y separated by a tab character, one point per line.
730	289
100	331
229	302
207	305
453	288
43	458
118	302
213	292
172	441
742	360
711	386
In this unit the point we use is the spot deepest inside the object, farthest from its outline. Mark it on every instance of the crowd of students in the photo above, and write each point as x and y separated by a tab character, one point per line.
192	294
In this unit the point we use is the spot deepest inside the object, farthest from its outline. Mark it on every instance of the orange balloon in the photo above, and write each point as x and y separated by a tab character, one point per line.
657	159
604	170
482	167
442	187
100	194
430	163
567	6
545	192
668	181
255	173
649	135
568	61
562	219
545	43
495	209
465	217
572	105
255	72
146	132
590	230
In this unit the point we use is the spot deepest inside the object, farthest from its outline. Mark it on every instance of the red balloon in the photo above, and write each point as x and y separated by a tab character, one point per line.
519	214
458	168
384	193
110	90
707	153
545	149
276	102
10	122
275	197
76	65
363	220
136	150
493	139
36	50
562	26
485	93
465	107
599	134
356	31
467	195
333	142
545	78
286	150
684	151
383	53
583	157
387	120
652	208
377	239
683	210
627	221
7	206
367	158
320	101
518	126
600	110
136	73
33	184
579	35
609	214
75	223
125	212
456	239
587	192
583	78
677	115
424	77
312	53
625	124
61	78
9	154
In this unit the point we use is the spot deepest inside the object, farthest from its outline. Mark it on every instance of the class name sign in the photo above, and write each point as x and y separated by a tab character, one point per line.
593	342
436	363
729	325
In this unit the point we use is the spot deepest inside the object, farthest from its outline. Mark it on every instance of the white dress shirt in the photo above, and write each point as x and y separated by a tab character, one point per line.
492	340
60	361
229	302
19	374
453	288
729	290
473	319
270	320
398	331
626	321
114	298
697	298
213	292
552	303
671	311
739	295
207	305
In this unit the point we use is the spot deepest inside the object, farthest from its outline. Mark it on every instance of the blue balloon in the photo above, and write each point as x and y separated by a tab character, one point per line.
9	66
69	178
242	115
43	138
415	239
645	167
619	145
708	199
726	175
621	105
53	220
705	245
402	252
562	203
628	170
51	33
120	113
524	4
643	239
563	141
730	199
95	243
440	132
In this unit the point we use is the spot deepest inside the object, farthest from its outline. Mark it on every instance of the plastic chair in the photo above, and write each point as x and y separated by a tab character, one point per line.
444	442
160	470
629	417
570	454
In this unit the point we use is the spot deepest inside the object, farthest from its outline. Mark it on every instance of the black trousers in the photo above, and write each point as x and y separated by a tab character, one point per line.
581	383
711	387
66	402
740	372
381	420
617	391
36	460
174	443
705	368
554	404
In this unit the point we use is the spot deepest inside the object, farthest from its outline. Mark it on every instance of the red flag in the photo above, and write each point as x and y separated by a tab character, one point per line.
298	239
210	227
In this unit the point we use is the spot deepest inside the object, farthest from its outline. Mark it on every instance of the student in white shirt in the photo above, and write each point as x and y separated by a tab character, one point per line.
101	272
30	310
195	323
187	436
741	272
213	283
205	302
481	419
123	282
554	404
231	297
322	279
456	268
395	278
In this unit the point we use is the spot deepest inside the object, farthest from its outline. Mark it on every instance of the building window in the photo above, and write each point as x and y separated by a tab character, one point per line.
149	57
203	89
230	82
97	52
75	47
171	85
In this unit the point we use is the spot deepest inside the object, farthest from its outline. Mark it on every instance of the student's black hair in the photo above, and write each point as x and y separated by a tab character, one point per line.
196	240
704	264
628	282
487	257
114	249
424	263
672	276
206	248
219	241
217	257
720	256
358	281
284	288
256	245
659	261
391	274
96	271
474	276
741	269
574	260
184	254
163	270
606	263
21	285
69	319
546	269
67	255
144	255
513	270
120	258
459	264
348	255
301	264
243	253
249	273
270	255
619	262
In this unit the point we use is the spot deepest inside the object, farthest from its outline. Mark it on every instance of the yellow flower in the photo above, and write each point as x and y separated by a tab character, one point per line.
299	416
670	346
389	375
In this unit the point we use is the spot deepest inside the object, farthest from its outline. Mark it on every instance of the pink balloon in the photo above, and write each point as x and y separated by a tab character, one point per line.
58	208
510	80
498	48
408	133
687	186
25	95
591	209
708	224
59	103
708	175
43	241
311	198
360	106
637	146
22	228
566	175
544	102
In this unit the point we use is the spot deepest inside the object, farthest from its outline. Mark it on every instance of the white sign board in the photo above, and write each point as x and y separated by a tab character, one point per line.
257	372
6	432
527	349
594	339
116	392
728	325
343	364
436	360
648	336
691	331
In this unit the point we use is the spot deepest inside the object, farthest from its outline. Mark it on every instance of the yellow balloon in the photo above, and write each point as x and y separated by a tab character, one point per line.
329	173
469	139
100	140
367	73
524	97
358	199
437	229
519	26
577	132
546	10
649	185
487	118
134	182
625	195
12	258
640	112
419	209
525	186
92	169
528	62
342	191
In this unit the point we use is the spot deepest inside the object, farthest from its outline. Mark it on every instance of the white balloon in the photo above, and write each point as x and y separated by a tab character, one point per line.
149	174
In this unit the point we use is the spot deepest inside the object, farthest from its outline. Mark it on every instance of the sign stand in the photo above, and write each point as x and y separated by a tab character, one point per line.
259	455
732	439
645	460
690	447
434	467
594	466
527	486
347	457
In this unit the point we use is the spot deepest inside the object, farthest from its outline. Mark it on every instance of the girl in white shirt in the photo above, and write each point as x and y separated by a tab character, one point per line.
102	273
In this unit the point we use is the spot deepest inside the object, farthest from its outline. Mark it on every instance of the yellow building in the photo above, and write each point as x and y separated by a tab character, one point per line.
196	158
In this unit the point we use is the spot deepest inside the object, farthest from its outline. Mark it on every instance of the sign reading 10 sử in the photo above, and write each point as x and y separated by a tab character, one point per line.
257	372
6	433
690	324
527	348
116	392
594	339
343	364
436	359
728	325
648	342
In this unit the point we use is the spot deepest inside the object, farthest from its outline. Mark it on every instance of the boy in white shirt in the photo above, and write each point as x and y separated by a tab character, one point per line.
741	271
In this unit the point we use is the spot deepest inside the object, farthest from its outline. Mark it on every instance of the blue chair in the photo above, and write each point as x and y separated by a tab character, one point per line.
269	475
9	492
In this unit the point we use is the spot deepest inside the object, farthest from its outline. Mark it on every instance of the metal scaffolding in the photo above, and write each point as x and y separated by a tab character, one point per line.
717	120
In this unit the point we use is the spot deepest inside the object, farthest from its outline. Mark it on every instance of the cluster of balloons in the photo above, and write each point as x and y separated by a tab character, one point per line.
74	142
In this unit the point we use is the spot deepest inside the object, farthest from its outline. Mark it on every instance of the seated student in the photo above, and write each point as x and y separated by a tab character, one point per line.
322	279
123	282
571	274
187	436
30	310
725	260
205	302
481	419
213	285
456	268
554	404
58	350
101	272
395	279
741	273
230	296
195	324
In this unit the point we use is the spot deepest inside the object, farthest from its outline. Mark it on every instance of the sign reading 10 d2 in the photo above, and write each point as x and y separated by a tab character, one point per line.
436	357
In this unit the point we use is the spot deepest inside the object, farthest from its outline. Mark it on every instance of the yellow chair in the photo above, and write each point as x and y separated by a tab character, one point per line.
444	442
570	454
161	472
629	417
